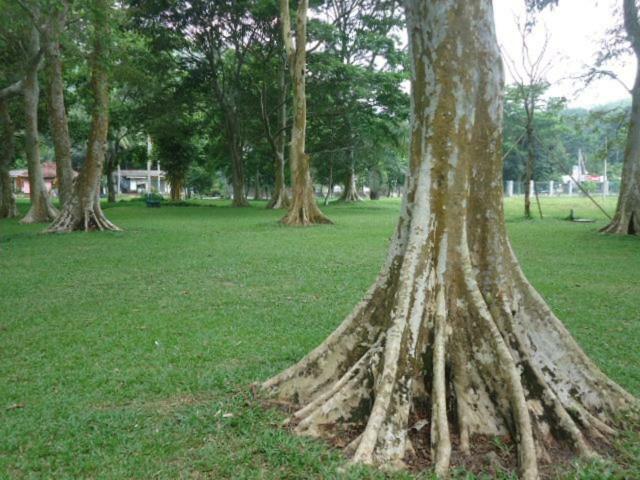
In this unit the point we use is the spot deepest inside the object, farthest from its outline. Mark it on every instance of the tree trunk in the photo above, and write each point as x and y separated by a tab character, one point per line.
304	209
452	335
41	208
55	97
176	188
528	175
8	207
83	211
237	170
626	220
280	199
350	192
330	186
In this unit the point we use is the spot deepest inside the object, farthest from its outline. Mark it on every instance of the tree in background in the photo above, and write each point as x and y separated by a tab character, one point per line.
626	220
530	74
303	209
8	207
83	211
41	210
452	336
173	146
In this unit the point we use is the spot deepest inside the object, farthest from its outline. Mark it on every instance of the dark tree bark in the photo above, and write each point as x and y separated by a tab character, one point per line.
531	156
452	335
176	184
55	97
83	211
110	166
626	220
7	153
304	209
279	199
41	209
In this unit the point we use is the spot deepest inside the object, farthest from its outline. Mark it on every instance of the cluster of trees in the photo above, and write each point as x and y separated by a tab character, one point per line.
217	89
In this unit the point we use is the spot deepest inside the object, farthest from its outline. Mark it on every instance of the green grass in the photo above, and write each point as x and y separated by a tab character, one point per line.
129	355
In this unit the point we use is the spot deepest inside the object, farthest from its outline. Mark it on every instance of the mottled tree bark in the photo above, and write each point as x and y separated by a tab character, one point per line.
452	335
7	152
626	220
350	192
303	210
41	209
280	199
83	211
55	98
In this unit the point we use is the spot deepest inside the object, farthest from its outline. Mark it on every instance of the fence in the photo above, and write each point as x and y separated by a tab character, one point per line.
553	188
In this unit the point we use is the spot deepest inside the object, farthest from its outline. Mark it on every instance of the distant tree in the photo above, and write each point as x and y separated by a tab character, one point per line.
529	73
174	148
303	209
626	220
83	211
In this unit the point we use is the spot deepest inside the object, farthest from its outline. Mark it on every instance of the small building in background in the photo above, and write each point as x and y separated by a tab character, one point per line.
141	181
20	178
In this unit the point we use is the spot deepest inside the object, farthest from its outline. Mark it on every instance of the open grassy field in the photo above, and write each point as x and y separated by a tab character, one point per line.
129	355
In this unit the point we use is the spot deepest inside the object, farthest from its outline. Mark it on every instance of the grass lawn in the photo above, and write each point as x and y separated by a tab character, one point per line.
129	355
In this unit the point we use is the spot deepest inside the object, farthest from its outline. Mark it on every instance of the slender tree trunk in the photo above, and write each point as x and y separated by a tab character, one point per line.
55	97
626	220
41	208
452	335
83	211
8	207
304	209
330	186
350	192
237	168
280	199
111	185
528	175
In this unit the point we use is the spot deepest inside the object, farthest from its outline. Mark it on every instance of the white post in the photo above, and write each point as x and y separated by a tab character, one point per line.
551	192
570	187
159	177
149	150
118	182
532	188
509	188
148	176
605	180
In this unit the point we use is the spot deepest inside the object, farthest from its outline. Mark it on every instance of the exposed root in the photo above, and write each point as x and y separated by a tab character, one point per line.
90	219
624	225
43	212
305	214
279	200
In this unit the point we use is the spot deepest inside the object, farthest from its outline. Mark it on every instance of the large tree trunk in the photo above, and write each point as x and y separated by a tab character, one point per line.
83	211
452	335
41	208
7	152
55	97
304	209
626	220
280	199
350	192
